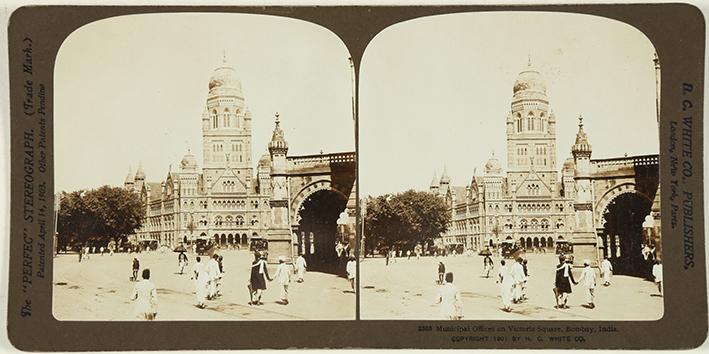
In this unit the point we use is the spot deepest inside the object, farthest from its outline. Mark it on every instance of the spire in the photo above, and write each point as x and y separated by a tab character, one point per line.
130	178
529	57
140	173
434	181
444	176
278	142
581	146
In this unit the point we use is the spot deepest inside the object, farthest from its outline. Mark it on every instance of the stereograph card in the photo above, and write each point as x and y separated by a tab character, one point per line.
226	177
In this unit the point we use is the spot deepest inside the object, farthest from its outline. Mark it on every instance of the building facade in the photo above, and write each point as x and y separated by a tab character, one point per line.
225	200
532	202
600	208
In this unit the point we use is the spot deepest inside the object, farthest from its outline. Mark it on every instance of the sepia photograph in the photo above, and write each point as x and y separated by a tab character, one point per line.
205	170
509	169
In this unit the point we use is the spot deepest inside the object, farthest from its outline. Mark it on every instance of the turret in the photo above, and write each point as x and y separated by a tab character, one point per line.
278	148
129	183
435	184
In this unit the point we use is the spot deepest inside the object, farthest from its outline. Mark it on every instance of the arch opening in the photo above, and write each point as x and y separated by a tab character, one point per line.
317	231
623	235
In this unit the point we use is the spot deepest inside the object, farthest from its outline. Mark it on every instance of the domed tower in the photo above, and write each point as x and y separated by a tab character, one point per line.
531	129
226	126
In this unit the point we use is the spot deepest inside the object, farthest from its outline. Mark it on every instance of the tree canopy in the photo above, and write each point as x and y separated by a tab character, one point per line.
102	215
404	219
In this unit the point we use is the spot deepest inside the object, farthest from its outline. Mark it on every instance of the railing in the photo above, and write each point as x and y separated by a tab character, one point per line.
340	157
644	160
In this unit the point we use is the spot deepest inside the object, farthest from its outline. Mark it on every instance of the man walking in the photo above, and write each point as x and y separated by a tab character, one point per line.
282	278
657	274
300	266
214	275
588	278
518	277
200	277
564	278
504	277
607	270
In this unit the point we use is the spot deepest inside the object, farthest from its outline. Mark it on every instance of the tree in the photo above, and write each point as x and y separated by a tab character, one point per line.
104	214
405	219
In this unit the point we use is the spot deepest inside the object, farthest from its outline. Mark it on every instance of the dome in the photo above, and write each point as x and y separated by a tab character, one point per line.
493	165
224	77
529	80
569	164
265	160
188	162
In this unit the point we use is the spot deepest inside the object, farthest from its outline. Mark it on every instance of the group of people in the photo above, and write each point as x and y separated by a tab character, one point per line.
207	278
282	277
513	281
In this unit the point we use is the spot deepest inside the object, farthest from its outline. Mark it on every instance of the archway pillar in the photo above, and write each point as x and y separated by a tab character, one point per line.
584	238
279	233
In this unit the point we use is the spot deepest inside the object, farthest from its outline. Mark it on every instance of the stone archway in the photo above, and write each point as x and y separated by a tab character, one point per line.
621	232
317	228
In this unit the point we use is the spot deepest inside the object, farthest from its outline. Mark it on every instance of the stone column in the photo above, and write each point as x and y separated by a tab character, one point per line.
583	238
279	231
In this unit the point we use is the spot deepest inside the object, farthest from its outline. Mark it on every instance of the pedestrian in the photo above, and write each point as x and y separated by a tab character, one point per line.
257	280
101	250
282	278
200	277
214	275
408	254
657	274
450	299
526	278
300	266
145	296
517	271
441	272
588	279
110	250
81	253
136	267
182	262
388	254
607	271
352	271
506	281
488	265
563	280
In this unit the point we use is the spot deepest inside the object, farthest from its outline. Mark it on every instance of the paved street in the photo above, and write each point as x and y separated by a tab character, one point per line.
99	289
407	290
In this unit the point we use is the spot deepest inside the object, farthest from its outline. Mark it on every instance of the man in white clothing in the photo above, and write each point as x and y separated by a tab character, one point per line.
450	300
588	279
607	271
300	266
352	272
504	277
200	277
282	278
517	270
657	274
214	275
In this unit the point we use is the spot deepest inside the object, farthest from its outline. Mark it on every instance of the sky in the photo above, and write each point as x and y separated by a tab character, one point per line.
436	91
131	90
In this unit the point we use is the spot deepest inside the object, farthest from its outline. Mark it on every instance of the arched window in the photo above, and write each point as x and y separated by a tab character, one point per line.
534	224
215	121
226	118
229	220
239	220
545	224
218	220
254	221
523	224
530	121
